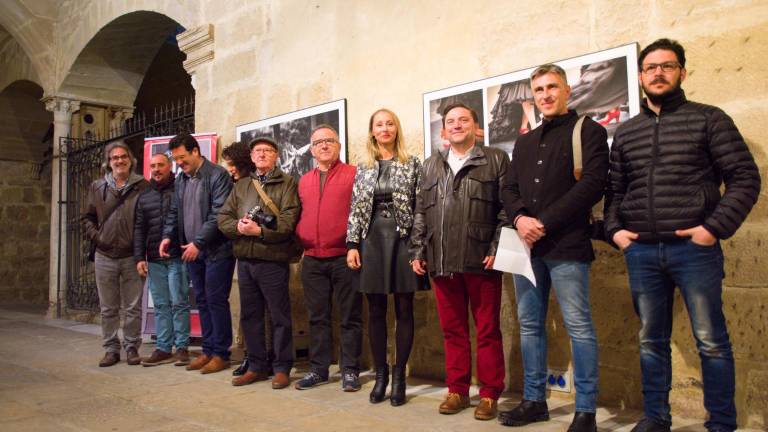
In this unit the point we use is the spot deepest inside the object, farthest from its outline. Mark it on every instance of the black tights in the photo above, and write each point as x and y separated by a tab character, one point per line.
377	327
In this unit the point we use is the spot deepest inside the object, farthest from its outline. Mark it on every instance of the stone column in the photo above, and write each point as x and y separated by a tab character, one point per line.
62	110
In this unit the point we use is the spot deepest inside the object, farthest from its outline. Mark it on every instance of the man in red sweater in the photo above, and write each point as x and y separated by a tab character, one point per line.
325	194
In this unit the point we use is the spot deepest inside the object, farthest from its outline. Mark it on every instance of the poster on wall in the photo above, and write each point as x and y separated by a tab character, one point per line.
292	132
603	86
154	145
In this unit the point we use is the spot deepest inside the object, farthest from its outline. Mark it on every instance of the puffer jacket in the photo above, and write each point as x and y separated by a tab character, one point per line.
666	171
406	177
458	218
113	237
274	244
151	210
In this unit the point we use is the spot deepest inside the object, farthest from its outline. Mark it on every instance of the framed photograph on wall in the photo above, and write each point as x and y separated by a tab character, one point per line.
292	132
603	86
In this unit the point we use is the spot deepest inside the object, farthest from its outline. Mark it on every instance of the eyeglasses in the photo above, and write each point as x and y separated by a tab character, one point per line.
328	141
119	157
665	67
263	150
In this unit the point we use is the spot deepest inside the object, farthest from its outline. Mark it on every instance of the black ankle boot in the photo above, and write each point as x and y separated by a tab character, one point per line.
380	387
242	369
397	397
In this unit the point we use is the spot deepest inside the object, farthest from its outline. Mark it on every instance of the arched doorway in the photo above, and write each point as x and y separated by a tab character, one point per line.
128	78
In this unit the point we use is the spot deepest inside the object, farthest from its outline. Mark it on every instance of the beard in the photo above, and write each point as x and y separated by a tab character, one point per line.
660	98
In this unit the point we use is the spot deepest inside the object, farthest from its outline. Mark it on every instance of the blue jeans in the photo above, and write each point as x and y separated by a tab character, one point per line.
212	282
169	287
571	282
654	272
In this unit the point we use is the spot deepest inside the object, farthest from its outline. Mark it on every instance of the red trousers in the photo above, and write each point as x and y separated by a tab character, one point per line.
482	293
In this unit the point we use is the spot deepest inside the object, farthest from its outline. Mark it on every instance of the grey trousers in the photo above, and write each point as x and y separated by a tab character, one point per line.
120	287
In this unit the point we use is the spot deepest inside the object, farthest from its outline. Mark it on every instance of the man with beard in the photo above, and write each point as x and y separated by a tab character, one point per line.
108	223
168	283
456	227
665	211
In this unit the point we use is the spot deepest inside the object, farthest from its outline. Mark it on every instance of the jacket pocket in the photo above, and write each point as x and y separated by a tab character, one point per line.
479	240
429	194
483	198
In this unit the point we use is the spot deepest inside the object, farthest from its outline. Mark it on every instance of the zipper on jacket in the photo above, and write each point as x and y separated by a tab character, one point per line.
442	223
651	192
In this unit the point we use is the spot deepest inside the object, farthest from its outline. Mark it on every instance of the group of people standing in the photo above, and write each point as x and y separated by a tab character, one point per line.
389	226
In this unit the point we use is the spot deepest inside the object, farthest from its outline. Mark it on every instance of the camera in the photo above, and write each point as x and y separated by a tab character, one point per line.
257	215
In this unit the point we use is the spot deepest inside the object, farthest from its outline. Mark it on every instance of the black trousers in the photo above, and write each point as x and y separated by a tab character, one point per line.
265	283
327	280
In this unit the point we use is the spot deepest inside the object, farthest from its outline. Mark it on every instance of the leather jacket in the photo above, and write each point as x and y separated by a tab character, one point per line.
458	218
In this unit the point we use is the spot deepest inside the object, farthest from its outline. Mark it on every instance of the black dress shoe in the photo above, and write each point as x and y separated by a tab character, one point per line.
242	369
583	422
651	425
526	412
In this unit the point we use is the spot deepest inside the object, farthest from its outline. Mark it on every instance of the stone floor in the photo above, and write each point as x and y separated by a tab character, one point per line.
50	381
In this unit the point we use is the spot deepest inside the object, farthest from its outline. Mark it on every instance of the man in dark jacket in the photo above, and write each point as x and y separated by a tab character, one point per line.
200	191
665	211
264	245
108	223
168	283
549	203
456	228
325	194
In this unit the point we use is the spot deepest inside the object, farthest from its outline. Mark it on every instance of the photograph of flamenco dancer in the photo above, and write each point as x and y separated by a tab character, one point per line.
292	132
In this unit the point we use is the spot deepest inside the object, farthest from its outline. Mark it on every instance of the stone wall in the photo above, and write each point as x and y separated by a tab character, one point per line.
25	213
272	57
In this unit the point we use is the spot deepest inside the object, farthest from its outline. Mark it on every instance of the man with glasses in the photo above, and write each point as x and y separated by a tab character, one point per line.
325	194
108	223
260	217
664	209
200	191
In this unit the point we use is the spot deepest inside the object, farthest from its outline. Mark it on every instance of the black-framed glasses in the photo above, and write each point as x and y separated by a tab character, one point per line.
116	158
328	141
665	67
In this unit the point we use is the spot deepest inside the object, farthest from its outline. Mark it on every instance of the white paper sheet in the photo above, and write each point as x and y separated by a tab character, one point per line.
513	255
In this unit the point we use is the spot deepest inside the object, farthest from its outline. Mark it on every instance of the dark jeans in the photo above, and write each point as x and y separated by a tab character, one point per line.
654	272
212	281
265	283
327	280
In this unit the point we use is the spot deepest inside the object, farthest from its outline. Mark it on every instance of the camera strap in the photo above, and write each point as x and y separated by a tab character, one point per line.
265	197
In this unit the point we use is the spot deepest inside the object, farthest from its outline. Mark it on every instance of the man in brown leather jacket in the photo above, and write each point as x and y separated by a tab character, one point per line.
455	233
108	223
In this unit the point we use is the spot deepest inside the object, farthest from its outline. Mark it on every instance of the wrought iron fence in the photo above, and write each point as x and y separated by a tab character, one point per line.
79	166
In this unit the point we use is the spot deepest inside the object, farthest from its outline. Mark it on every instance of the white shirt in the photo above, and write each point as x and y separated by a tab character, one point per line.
455	161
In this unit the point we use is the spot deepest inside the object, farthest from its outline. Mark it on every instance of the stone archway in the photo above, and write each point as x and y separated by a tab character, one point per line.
25	193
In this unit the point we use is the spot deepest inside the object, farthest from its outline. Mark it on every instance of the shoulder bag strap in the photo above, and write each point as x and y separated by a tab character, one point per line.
265	198
578	164
120	200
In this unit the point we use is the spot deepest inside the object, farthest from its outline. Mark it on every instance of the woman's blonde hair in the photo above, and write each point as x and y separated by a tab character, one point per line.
372	147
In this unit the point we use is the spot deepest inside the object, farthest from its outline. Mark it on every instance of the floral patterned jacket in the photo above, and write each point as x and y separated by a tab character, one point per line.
406	185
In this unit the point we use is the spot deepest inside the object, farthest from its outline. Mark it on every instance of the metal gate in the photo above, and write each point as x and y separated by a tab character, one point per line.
81	160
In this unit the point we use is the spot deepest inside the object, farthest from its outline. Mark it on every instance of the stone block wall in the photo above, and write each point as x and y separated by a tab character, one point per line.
25	213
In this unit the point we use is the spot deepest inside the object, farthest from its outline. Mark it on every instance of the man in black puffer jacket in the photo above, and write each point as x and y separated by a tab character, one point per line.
168	283
665	211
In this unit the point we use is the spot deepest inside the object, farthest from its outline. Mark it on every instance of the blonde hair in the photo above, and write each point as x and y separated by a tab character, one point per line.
372	147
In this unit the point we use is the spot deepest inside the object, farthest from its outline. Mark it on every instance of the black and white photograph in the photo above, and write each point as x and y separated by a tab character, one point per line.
603	86
292	132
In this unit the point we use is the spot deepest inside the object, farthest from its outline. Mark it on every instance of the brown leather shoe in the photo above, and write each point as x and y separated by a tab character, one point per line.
280	380
109	359
249	377
132	357
157	358
217	364
182	357
199	362
486	410
454	403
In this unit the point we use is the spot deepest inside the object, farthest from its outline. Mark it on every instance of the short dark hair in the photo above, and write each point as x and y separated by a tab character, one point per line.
663	44
240	155
459	105
184	139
